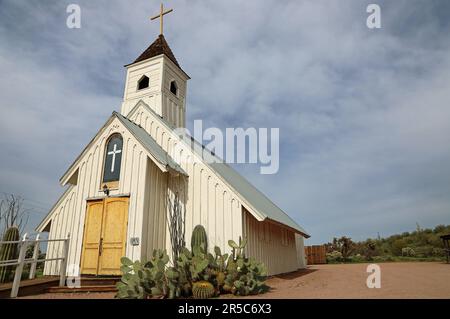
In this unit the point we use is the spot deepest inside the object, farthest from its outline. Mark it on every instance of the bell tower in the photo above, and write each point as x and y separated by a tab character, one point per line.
156	78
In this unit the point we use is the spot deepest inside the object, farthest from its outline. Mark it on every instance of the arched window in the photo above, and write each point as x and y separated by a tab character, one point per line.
143	82
113	159
174	87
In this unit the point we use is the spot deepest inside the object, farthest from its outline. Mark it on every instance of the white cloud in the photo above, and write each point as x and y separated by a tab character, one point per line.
363	115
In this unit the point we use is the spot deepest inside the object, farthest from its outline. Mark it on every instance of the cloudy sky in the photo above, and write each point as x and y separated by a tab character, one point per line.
364	115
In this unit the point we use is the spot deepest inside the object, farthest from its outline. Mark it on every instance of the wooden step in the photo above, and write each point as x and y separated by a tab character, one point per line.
29	286
83	289
99	281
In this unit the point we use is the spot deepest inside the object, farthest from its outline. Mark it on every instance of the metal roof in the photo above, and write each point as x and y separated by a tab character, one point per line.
143	138
150	144
260	202
255	197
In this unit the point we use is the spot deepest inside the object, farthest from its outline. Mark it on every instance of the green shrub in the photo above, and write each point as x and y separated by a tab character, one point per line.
408	251
424	251
357	259
438	252
196	271
383	258
334	257
244	276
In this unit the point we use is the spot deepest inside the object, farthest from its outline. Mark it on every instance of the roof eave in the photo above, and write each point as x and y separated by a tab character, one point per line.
157	57
295	230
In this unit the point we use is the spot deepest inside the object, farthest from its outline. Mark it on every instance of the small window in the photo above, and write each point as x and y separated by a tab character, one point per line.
174	87
113	159
143	82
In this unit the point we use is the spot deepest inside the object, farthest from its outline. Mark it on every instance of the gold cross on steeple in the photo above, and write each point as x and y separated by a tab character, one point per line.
160	16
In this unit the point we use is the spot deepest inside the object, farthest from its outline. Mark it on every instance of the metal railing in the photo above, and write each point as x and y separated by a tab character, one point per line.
21	261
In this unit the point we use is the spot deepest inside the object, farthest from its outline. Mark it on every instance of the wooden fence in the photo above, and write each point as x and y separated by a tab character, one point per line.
316	254
21	261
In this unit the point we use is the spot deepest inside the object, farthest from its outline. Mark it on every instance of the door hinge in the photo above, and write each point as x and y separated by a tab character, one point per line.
100	249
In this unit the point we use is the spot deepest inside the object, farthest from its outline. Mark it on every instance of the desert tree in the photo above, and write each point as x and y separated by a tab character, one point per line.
344	245
13	213
176	220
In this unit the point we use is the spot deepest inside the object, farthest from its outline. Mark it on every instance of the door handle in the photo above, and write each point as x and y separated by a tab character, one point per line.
100	249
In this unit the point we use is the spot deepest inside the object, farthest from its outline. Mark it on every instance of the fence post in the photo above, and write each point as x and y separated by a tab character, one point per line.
63	268
19	268
35	258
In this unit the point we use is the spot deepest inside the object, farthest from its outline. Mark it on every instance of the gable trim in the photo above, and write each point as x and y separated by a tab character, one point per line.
165	165
44	222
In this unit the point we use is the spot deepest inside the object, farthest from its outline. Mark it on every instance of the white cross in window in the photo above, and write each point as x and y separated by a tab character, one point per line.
113	153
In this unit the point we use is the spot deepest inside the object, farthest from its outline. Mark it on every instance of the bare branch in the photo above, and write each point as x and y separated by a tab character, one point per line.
12	212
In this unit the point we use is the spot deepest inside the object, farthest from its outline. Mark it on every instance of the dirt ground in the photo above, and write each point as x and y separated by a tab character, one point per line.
398	280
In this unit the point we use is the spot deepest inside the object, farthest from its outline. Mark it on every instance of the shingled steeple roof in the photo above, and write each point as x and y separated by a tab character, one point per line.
158	47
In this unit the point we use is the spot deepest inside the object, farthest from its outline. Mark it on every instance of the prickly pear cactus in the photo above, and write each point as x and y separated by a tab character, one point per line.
220	278
8	252
199	238
203	290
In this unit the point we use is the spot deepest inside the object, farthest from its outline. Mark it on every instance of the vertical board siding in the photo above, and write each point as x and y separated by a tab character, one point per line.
207	198
300	245
65	205
68	216
161	72
315	254
276	248
152	70
209	201
154	228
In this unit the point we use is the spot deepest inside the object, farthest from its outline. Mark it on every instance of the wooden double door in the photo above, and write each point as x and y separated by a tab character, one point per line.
105	236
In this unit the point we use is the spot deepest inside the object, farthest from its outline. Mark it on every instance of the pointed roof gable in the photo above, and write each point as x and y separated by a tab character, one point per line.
158	47
150	144
157	153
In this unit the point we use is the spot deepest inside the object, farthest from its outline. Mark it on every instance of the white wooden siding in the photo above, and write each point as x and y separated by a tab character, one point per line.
271	244
208	199
161	72
154	225
152	69
223	207
300	244
69	215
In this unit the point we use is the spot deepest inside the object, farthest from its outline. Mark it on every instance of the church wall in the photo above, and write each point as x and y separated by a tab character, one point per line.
151	95
209	201
161	72
69	217
154	222
171	72
60	213
172	111
174	106
271	244
152	69
300	244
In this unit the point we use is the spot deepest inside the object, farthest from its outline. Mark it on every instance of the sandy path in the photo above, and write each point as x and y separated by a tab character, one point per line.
398	280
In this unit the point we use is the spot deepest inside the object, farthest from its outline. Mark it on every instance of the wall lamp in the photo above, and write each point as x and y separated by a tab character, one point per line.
106	190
